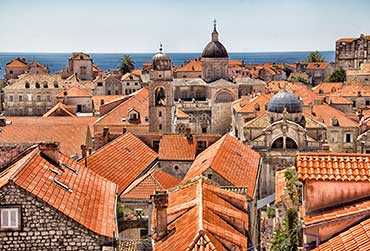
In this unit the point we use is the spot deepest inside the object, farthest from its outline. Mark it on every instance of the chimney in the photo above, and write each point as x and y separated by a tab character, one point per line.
83	151
160	199
106	135
50	150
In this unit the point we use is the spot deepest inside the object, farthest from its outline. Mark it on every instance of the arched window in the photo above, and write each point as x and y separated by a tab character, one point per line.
278	143
27	85
290	144
333	89
46	85
56	85
224	97
37	85
321	91
160	96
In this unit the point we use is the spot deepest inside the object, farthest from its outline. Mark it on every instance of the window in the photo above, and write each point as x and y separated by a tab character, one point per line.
209	176
37	85
160	114
11	99
46	85
204	129
176	168
20	98
146	118
116	92
100	84
353	103
128	84
11	72
136	83
48	98
156	145
27	85
201	145
38	98
56	85
367	102
348	138
160	126
10	218
109	92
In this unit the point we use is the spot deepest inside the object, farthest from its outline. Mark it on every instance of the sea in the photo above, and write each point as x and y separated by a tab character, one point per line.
110	61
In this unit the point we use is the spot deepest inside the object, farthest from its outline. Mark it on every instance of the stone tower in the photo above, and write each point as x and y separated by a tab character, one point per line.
161	106
214	59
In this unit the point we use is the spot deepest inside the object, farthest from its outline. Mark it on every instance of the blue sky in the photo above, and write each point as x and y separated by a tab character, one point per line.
182	26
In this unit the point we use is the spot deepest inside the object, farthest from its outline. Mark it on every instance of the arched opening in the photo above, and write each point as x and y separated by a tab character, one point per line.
181	128
224	97
160	96
290	144
278	143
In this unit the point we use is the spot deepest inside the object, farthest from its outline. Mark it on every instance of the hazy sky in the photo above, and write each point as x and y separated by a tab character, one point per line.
182	26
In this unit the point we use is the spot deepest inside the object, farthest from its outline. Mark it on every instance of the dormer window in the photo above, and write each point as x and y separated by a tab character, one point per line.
134	115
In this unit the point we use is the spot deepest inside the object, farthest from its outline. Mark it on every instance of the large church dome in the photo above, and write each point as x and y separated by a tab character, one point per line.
283	100
214	49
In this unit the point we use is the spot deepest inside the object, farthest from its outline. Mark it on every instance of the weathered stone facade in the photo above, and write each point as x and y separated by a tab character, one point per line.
43	227
350	53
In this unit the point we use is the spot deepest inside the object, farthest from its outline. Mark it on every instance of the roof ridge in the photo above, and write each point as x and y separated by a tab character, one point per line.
200	205
18	169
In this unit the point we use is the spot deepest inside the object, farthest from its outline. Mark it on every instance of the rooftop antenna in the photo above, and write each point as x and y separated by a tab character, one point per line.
214	24
160	47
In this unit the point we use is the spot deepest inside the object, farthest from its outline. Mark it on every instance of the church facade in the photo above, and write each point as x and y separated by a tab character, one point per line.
201	105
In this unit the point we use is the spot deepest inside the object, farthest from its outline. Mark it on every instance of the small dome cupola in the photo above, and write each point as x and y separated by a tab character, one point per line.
161	61
214	49
284	100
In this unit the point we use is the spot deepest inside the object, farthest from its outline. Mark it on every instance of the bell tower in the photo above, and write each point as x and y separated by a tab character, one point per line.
161	99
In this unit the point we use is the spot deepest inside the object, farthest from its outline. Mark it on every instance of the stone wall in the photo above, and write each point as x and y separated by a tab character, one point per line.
175	168
43	227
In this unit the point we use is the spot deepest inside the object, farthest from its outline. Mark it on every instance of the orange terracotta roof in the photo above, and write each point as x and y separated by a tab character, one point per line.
176	147
333	166
96	68
355	238
97	100
17	63
203	214
326	114
145	186
232	160
327	87
338	213
235	62
139	101
59	109
317	65
136	72
130	76
353	90
32	173
71	132
122	161
39	65
74	91
80	55
193	65
246	105
338	100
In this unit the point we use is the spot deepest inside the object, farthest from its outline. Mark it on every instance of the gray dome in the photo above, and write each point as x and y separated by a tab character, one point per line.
161	61
283	100
214	50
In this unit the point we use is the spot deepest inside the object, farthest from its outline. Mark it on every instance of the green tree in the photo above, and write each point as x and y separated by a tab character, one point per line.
286	238
338	76
126	64
315	56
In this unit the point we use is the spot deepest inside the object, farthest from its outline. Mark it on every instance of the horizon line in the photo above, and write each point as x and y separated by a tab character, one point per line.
171	52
